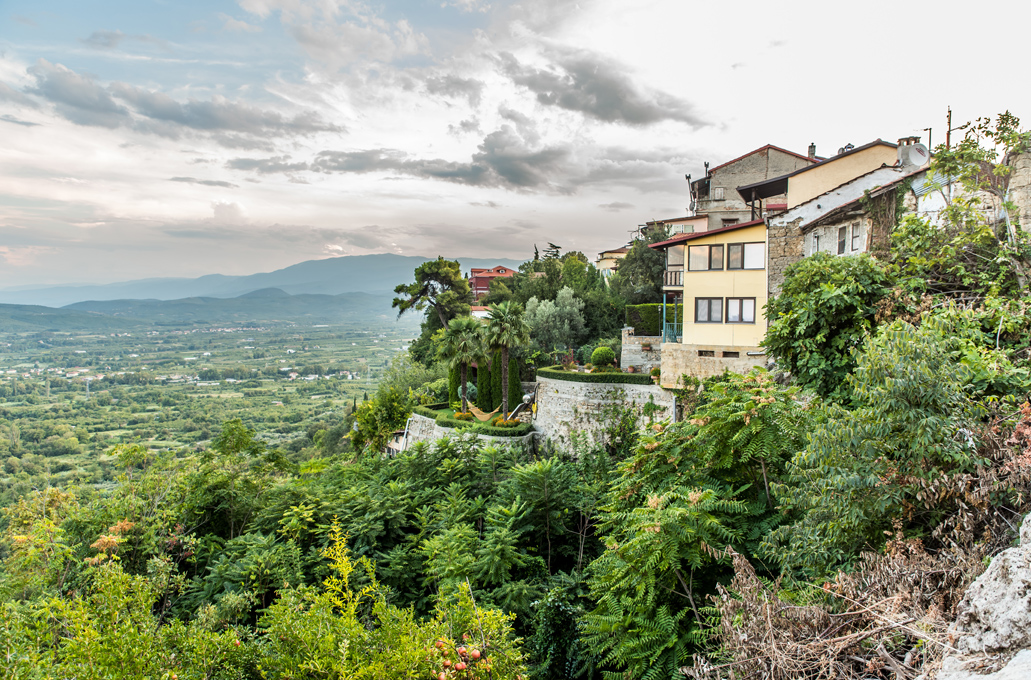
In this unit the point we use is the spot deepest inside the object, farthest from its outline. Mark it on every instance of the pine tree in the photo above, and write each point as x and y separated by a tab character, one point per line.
453	380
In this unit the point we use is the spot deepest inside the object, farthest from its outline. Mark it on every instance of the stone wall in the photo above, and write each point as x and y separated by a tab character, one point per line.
1020	188
679	359
785	248
565	407
423	429
632	354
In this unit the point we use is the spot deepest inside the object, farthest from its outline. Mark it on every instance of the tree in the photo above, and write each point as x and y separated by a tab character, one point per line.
976	162
638	276
558	324
506	329
824	311
438	284
463	344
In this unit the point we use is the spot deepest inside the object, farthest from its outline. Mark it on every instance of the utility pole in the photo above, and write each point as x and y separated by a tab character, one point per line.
949	129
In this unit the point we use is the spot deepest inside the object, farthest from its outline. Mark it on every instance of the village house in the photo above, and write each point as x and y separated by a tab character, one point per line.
608	260
479	279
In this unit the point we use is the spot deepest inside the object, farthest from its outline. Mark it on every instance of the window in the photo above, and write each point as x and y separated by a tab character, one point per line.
731	355
729	222
706	353
717	193
842	235
816	243
708	310
675	257
704	258
856	233
746	256
740	310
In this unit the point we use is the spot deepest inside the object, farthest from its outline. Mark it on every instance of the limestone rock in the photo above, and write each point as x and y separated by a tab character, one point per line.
993	624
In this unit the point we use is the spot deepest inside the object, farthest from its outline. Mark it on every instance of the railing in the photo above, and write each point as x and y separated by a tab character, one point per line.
672	332
673	277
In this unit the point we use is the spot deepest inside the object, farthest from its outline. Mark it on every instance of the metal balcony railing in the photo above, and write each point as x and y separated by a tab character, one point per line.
672	332
673	277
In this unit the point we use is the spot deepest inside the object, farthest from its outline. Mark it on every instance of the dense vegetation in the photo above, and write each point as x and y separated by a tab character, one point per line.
820	520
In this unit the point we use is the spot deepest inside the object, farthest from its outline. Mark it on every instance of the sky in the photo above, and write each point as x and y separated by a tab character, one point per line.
153	138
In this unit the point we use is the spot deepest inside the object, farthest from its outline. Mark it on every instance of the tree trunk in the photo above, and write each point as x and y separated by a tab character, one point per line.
464	401
504	382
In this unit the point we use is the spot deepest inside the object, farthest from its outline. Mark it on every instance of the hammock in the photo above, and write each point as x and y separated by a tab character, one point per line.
480	415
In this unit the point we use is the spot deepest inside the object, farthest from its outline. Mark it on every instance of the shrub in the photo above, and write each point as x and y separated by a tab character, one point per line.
655	372
463	416
603	356
647	319
605	369
501	422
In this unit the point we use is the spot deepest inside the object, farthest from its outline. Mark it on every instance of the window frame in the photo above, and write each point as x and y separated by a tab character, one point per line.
741	308
856	233
710	246
710	300
816	243
743	267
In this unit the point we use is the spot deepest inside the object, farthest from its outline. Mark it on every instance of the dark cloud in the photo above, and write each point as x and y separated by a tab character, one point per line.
266	166
17	121
465	127
616	206
104	40
232	124
504	159
205	182
77	97
598	88
454	86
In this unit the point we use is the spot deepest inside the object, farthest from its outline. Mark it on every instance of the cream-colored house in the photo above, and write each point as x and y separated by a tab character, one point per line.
719	276
608	260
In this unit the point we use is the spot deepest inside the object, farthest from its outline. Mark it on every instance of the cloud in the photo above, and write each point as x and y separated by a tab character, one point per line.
24	20
616	206
228	213
77	97
104	40
205	182
504	159
236	26
9	94
465	127
7	118
455	86
266	166
598	88
232	124
467	5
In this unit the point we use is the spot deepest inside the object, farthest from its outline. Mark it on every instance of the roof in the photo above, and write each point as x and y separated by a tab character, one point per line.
682	218
699	234
624	249
779	185
848	206
759	150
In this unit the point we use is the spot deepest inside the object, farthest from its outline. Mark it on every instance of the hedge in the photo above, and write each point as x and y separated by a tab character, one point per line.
647	319
430	410
557	373
484	428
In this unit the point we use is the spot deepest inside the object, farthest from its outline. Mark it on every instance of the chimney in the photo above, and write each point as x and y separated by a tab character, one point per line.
812	150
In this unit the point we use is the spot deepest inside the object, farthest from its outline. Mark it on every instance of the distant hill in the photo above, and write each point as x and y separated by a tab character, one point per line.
352	274
33	318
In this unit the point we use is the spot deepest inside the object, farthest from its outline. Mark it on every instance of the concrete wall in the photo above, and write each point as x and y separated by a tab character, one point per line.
679	359
588	409
632	354
423	429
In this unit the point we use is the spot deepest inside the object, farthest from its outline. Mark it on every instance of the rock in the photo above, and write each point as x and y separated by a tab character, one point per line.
992	630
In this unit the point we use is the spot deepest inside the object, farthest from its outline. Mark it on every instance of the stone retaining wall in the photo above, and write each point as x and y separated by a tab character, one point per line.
679	359
588	409
632	355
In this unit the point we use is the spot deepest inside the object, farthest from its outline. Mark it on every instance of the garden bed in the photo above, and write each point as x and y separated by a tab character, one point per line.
443	416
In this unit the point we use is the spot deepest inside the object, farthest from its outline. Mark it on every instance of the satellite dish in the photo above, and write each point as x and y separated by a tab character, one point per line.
915	155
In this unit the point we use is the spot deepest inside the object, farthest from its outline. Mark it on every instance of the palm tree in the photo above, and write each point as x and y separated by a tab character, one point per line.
463	344
506	329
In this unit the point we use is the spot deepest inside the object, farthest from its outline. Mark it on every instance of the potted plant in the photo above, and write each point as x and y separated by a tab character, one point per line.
647	347
655	373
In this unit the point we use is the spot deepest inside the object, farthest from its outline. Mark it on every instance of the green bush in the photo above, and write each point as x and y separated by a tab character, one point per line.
603	356
483	428
647	319
557	373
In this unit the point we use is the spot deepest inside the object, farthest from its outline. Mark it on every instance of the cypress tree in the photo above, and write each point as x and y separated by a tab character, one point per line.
495	381
483	385
454	380
515	388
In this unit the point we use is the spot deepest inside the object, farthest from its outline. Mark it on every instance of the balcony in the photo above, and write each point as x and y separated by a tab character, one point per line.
672	332
673	278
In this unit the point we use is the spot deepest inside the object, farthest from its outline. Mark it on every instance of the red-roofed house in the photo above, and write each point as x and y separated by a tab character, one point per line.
479	279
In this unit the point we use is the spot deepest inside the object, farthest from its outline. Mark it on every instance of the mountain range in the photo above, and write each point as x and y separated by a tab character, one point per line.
373	274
